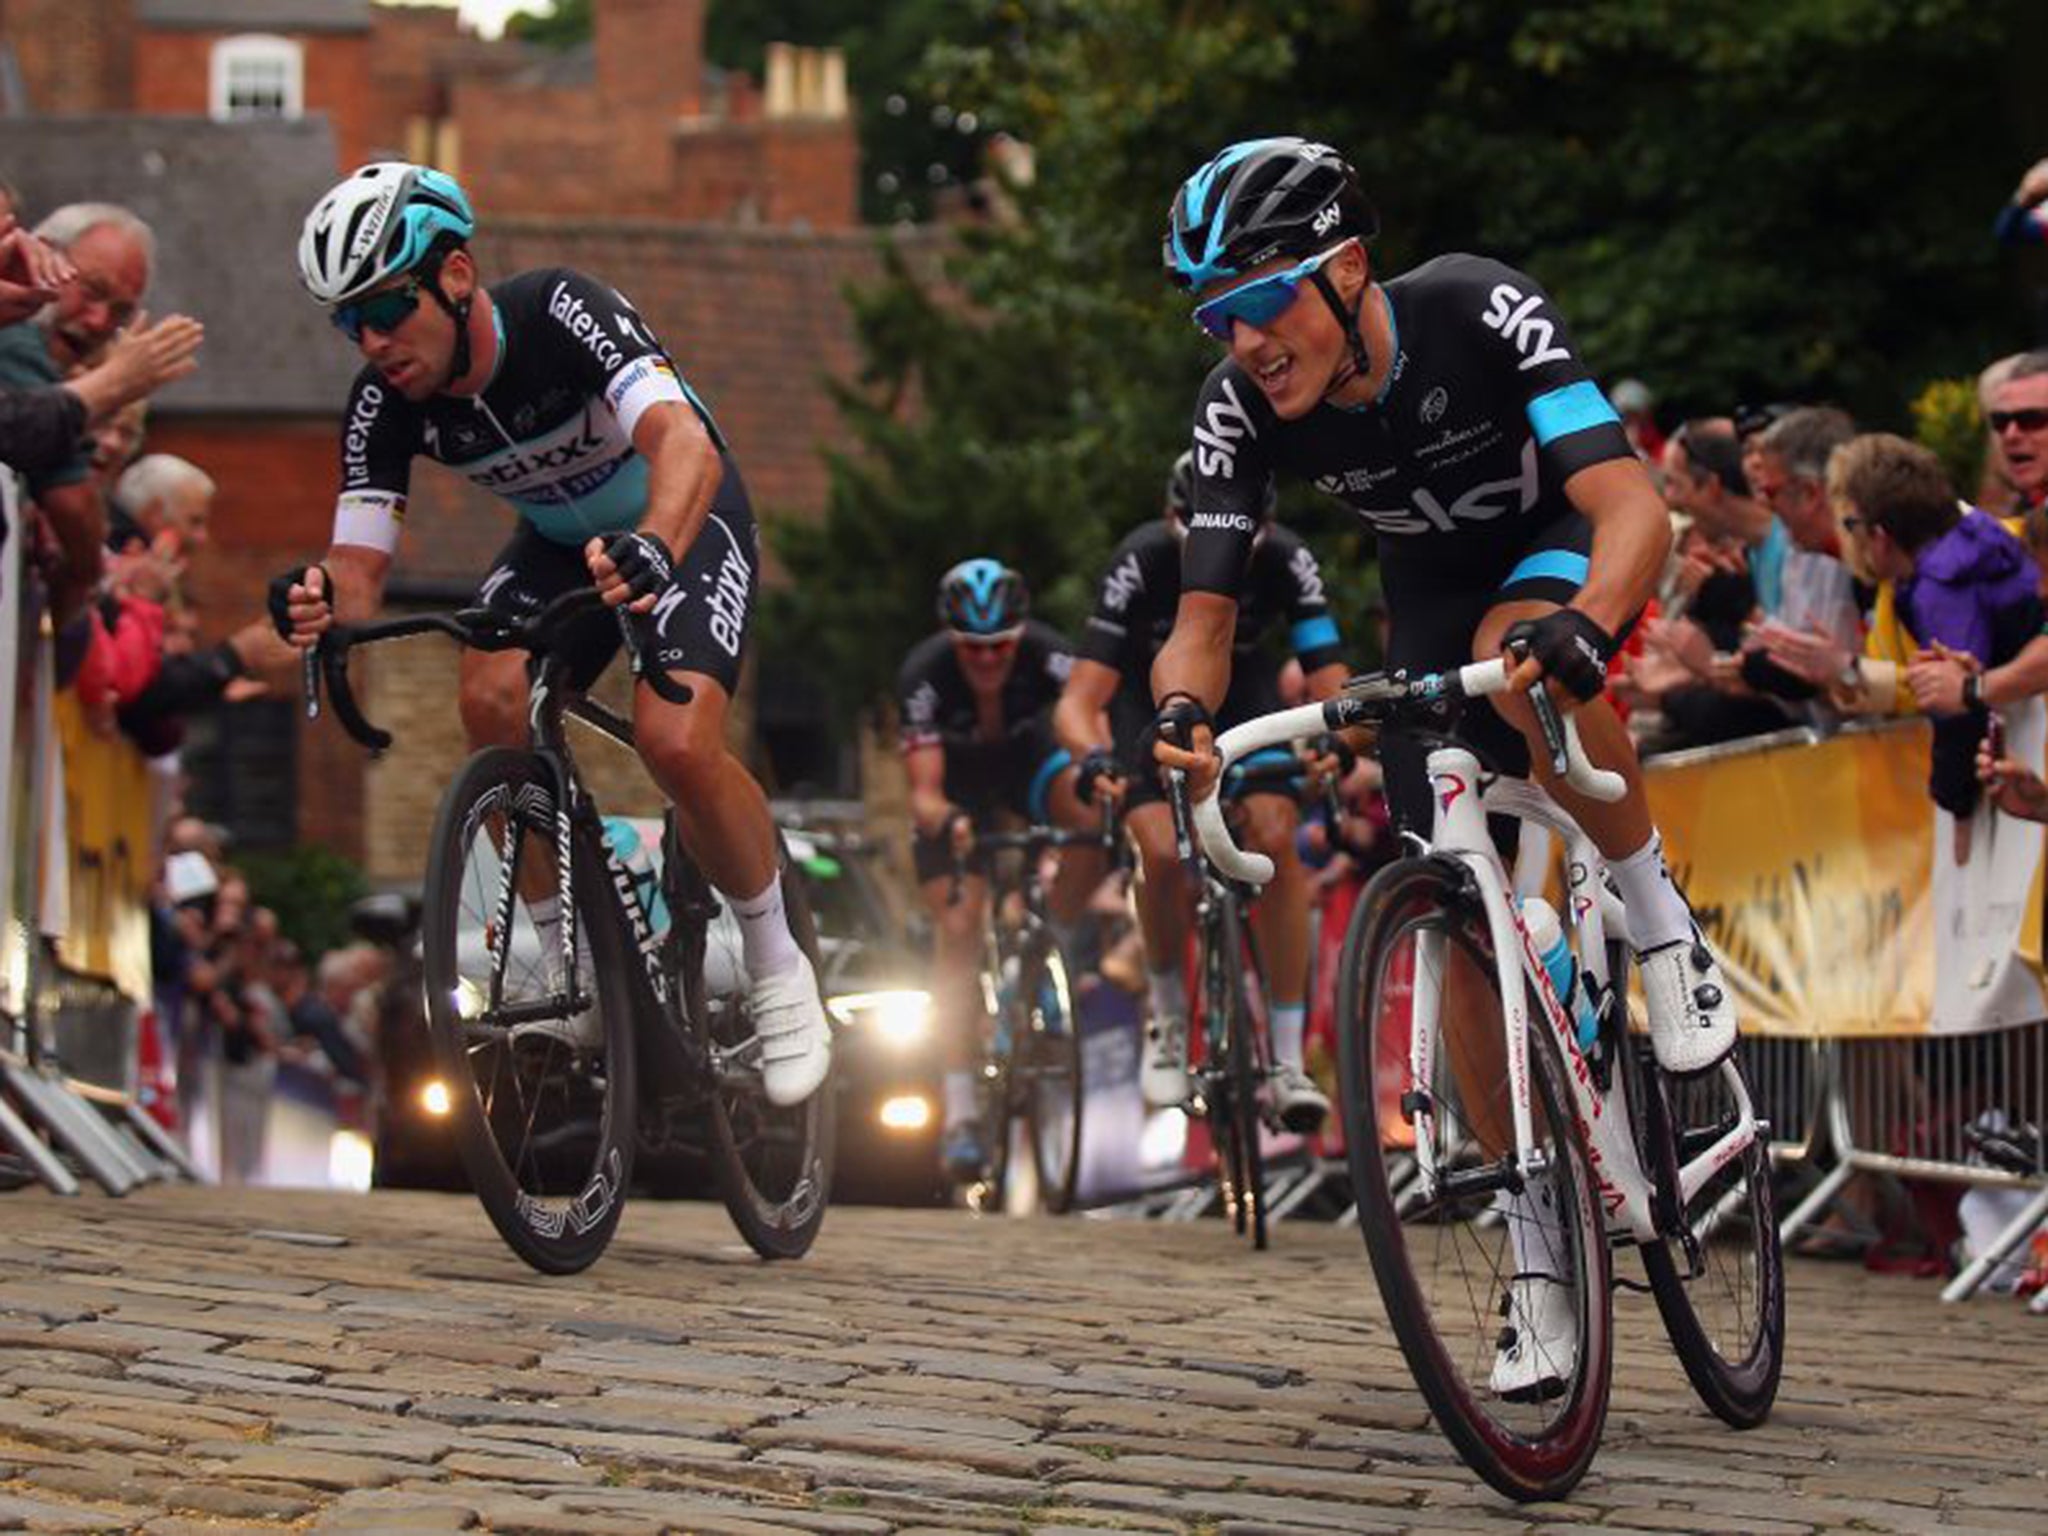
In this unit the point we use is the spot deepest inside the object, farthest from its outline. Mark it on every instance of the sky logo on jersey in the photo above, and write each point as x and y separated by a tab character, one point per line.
1482	503
575	318
1124	582
1514	315
1308	576
1224	422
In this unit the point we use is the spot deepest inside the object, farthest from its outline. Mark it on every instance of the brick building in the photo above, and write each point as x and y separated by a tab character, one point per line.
740	268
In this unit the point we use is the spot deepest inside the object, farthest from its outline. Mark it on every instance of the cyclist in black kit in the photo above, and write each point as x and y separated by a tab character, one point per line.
975	700
549	390
1447	407
1104	719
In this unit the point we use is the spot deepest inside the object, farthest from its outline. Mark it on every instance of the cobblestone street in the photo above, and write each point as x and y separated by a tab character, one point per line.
196	1360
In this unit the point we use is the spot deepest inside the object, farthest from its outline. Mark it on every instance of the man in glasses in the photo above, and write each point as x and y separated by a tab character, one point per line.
1449	409
550	390
2019	421
975	701
1105	719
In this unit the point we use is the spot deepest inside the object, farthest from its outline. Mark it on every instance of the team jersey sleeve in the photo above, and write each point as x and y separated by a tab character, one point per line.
1054	660
600	341
1233	433
1121	607
379	435
1519	328
917	702
1311	628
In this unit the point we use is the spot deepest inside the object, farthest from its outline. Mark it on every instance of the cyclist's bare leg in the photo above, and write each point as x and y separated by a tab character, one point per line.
1472	1033
956	964
1081	867
722	815
1165	904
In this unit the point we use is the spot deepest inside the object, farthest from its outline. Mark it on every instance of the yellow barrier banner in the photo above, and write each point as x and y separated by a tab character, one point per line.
1828	881
107	853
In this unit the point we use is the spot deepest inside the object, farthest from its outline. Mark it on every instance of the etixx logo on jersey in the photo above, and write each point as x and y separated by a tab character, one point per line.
1224	423
1513	314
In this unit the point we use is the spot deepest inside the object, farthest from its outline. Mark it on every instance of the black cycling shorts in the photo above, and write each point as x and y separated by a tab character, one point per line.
1433	615
1254	690
991	779
698	624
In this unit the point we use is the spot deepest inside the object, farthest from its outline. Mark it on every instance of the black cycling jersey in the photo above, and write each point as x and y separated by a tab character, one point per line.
1139	595
551	432
1458	464
938	705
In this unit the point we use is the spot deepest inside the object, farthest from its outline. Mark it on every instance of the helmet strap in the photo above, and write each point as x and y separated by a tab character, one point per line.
1359	363
459	313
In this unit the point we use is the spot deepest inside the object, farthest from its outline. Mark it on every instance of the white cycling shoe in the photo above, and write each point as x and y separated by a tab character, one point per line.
580	1032
1692	1015
1297	1103
1163	1076
1538	1348
796	1040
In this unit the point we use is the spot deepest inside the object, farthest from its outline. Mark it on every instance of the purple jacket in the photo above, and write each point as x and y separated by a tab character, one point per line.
1974	589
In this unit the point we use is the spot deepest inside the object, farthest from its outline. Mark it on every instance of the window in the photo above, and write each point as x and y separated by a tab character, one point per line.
257	76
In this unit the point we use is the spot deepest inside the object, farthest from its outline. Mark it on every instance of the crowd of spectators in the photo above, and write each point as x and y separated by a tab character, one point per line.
108	533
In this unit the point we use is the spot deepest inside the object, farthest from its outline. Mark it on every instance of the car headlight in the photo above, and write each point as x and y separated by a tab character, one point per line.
902	1017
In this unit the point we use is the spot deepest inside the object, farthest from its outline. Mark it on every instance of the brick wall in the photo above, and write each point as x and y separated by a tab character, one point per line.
174	73
74	54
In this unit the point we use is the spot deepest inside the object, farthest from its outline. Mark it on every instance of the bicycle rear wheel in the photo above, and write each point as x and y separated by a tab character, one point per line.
1048	1060
1721	1294
541	1098
1461	1232
774	1164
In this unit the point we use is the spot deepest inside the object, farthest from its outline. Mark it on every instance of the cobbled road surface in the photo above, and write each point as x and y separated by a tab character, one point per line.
189	1360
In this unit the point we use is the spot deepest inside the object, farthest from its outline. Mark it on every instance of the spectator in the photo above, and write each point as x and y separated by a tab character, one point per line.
2019	424
166	504
1995	491
2011	785
1637	407
2023	220
1819	597
116	444
108	251
1963	585
316	1015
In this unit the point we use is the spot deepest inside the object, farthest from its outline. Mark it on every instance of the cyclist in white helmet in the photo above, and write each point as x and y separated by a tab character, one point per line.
549	390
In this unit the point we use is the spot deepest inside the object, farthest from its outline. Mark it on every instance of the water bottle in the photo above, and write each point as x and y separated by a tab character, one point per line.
634	852
1547	934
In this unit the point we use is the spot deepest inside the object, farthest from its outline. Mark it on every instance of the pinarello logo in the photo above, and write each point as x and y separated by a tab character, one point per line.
1448	787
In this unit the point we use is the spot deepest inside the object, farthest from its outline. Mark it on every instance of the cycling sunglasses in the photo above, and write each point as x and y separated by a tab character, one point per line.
2032	419
383	312
1259	303
1001	641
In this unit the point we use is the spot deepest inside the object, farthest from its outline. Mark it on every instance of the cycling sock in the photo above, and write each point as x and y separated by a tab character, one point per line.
1287	1022
1657	913
1169	993
1536	1229
960	1105
764	932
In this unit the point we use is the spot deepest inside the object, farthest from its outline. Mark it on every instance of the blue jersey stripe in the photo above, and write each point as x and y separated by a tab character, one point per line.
1562	564
1572	408
1313	634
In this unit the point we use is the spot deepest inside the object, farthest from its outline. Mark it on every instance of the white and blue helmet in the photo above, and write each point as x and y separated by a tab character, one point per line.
377	223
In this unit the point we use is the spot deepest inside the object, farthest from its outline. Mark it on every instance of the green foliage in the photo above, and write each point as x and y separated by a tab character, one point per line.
310	889
563	24
1744	200
1946	419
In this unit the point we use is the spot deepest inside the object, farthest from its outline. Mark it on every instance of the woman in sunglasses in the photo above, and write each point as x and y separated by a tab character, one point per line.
550	391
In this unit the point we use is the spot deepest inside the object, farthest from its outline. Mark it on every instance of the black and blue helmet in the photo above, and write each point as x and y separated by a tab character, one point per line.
1260	199
983	597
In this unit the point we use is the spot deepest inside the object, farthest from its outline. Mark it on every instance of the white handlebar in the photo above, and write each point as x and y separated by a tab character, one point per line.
1291	725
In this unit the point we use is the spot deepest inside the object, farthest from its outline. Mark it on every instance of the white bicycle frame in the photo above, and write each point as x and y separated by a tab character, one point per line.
1464	797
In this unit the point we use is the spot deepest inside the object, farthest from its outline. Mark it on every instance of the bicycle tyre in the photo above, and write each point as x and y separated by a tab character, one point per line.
774	1165
1523	1467
1741	1391
555	1234
1052	1078
1245	1075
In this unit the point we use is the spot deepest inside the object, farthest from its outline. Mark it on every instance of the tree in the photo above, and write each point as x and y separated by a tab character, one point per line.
1752	199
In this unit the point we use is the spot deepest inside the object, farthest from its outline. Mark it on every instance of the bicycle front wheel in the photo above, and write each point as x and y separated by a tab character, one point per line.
539	1090
774	1163
1242	1072
1721	1289
1048	1062
1494	1269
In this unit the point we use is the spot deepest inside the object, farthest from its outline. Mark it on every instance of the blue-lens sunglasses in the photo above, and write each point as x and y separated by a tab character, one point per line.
1261	302
383	312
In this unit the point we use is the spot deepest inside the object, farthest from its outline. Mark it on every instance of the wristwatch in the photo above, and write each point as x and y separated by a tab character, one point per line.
1973	690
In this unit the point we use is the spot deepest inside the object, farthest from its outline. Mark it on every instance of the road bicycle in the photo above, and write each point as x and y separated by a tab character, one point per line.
1236	1063
571	1029
1030	1079
1500	1147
